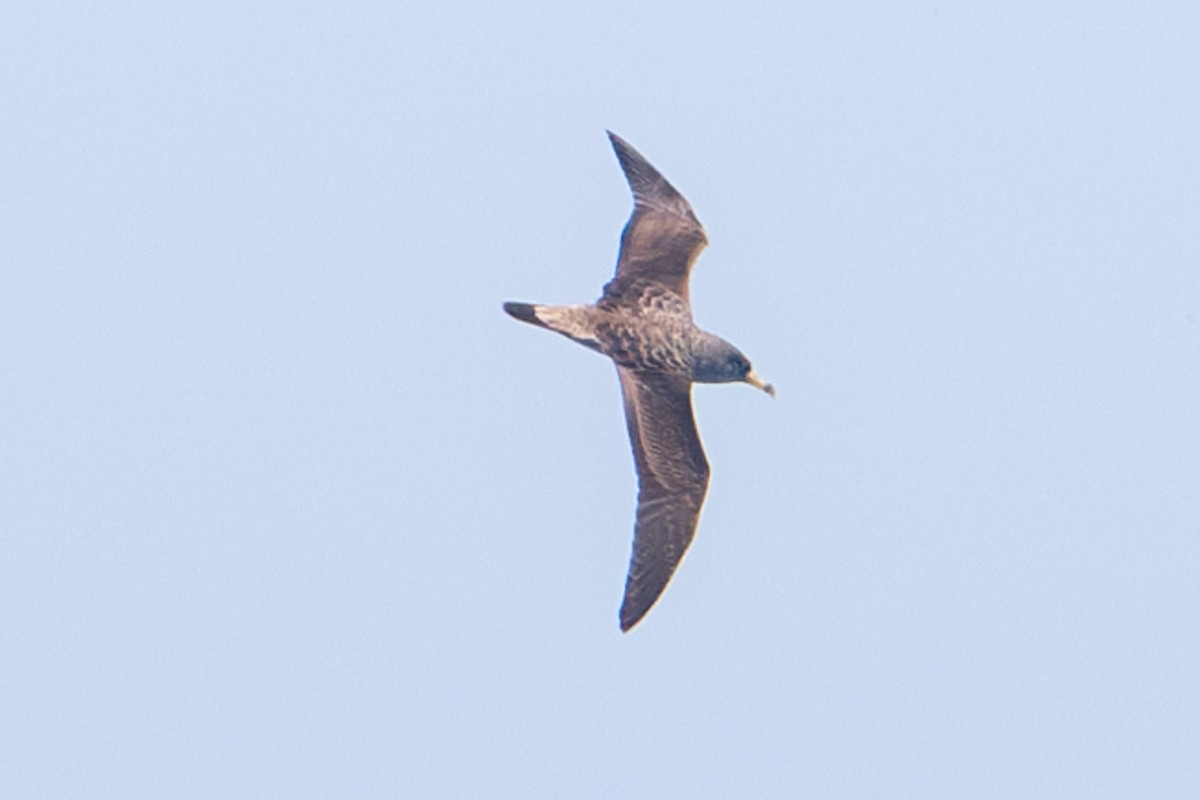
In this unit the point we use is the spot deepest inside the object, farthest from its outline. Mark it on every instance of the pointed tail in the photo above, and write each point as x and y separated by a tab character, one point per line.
525	312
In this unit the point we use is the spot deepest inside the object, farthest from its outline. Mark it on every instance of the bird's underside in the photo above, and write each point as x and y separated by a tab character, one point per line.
643	322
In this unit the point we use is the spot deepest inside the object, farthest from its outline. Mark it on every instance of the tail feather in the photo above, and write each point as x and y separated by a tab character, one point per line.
525	312
574	322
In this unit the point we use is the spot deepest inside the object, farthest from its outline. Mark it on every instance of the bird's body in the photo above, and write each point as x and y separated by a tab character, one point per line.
657	335
643	322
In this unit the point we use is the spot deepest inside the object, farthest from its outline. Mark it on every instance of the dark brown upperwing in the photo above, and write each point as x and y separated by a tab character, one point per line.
672	480
662	238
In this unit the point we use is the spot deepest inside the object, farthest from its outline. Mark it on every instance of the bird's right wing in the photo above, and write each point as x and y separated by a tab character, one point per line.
672	481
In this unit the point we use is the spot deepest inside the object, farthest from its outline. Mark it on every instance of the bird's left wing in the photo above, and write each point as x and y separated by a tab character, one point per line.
662	238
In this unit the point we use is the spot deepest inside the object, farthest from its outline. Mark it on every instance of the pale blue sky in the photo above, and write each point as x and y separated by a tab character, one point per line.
290	508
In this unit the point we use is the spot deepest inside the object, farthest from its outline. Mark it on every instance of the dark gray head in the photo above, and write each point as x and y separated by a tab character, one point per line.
715	360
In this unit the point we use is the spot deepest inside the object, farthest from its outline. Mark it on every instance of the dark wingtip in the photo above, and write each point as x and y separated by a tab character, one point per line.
634	611
627	622
631	159
648	184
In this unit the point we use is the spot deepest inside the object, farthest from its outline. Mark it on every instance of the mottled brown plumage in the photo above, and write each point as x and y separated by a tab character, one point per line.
643	322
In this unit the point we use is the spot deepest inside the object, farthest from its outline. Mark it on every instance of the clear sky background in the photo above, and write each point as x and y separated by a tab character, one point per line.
289	507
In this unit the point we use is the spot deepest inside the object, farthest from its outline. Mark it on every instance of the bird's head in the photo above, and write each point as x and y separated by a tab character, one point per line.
717	361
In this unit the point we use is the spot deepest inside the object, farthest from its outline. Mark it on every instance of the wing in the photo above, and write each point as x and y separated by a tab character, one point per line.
672	480
662	238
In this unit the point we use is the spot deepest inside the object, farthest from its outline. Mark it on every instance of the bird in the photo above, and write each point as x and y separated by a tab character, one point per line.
643	322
